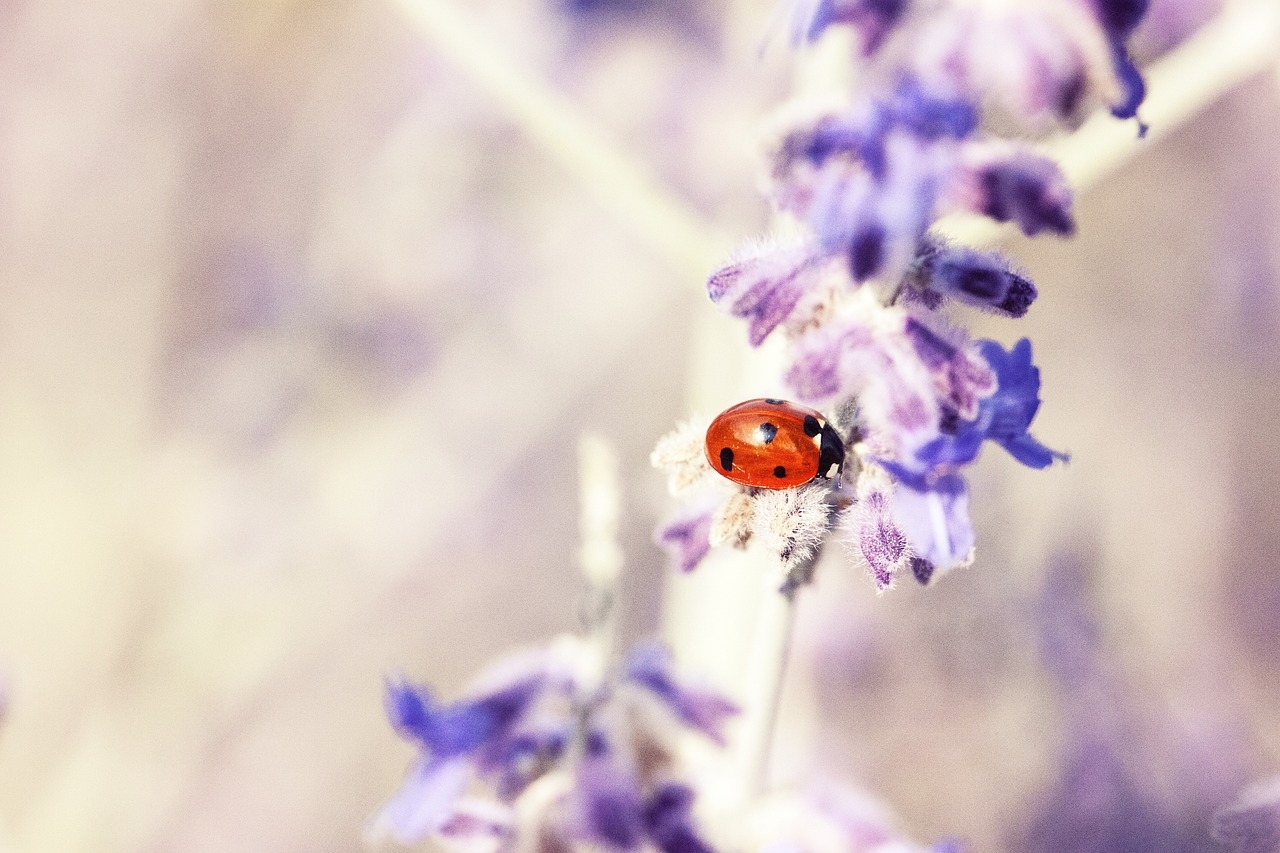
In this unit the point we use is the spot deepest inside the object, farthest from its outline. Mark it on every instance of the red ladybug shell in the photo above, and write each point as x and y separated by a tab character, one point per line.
772	444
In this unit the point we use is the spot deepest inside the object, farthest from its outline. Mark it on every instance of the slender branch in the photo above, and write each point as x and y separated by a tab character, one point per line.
569	137
600	555
767	662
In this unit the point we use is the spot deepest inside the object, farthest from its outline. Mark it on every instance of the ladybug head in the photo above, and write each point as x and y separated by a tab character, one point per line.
831	452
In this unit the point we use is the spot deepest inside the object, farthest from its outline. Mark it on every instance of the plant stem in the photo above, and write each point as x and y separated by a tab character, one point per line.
600	555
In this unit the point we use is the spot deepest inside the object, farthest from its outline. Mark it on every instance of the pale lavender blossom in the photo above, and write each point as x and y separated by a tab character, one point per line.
873	533
936	523
765	284
867	181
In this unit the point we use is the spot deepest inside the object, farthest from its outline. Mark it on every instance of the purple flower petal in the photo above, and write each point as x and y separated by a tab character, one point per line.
669	820
1252	823
826	362
610	803
424	803
936	522
1028	58
873	20
960	376
1013	183
1004	417
650	666
462	727
883	545
875	534
765	287
922	570
518	759
1031	192
982	279
687	539
1118	19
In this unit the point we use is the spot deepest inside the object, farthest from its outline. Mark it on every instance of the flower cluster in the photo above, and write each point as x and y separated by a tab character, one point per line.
571	759
865	296
1251	824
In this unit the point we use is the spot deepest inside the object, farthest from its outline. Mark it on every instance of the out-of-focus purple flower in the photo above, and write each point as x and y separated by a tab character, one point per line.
867	181
981	279
872	20
1118	19
609	801
687	538
668	818
867	355
1066	624
546	718
650	666
1100	807
1251	824
611	809
475	736
425	802
1035	60
1012	183
765	285
1004	417
462	727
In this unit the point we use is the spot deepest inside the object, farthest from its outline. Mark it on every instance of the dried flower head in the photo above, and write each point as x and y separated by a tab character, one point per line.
681	455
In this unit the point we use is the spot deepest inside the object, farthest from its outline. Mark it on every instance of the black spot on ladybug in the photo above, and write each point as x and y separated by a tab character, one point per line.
811	426
726	458
768	432
779	472
772	402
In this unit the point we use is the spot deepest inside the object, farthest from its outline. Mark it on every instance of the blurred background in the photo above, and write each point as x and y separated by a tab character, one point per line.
303	306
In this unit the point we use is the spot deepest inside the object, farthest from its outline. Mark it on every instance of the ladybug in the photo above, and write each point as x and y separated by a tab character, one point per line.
773	444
